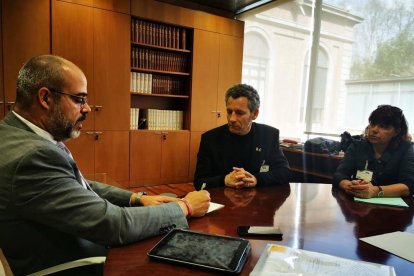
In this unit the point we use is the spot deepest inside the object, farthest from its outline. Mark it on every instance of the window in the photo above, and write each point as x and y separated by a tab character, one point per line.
363	58
318	99
255	63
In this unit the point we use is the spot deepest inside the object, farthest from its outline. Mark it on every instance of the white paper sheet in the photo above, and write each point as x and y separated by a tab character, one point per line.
393	201
397	243
214	206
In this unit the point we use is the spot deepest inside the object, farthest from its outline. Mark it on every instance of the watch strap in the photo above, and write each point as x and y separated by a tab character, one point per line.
137	200
380	192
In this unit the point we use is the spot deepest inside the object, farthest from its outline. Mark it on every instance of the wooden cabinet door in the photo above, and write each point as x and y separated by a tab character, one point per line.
175	156
26	33
230	70
112	156
205	80
72	38
194	146
145	157
111	56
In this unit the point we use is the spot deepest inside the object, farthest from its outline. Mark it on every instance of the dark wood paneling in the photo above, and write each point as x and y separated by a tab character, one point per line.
171	14
175	156
230	70
145	157
205	80
72	38
112	156
26	33
194	146
122	6
111	56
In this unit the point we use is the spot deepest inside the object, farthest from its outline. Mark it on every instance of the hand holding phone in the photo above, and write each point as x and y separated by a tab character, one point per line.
259	231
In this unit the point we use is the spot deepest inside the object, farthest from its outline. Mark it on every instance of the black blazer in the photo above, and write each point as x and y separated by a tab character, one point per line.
214	157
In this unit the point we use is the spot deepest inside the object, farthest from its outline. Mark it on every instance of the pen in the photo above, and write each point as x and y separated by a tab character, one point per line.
203	186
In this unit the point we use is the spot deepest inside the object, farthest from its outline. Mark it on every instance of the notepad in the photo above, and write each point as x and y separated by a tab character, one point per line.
393	201
214	206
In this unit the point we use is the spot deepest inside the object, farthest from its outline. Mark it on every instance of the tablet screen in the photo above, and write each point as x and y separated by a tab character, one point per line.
206	250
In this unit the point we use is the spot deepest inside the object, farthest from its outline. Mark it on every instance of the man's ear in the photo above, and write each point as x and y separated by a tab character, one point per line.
43	97
255	114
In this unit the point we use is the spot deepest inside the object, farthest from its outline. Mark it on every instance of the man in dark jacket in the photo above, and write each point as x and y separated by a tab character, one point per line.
241	154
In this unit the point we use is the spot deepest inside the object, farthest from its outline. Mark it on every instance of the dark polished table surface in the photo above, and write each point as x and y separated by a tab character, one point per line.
311	217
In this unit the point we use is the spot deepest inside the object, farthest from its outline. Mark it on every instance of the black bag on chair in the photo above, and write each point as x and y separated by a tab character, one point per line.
347	139
322	145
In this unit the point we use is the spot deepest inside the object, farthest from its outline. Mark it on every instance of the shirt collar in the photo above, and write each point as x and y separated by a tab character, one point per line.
39	131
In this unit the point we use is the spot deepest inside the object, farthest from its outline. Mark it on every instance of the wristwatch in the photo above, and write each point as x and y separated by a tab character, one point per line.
137	201
381	192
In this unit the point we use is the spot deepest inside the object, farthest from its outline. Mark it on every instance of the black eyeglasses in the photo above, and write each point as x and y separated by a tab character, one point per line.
81	100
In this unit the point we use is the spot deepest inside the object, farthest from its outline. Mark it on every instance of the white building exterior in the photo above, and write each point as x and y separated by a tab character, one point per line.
276	58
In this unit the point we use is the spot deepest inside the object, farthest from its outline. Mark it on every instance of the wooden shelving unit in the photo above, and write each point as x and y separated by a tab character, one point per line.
161	62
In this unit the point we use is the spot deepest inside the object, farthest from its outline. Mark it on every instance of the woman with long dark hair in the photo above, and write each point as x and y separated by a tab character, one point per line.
381	164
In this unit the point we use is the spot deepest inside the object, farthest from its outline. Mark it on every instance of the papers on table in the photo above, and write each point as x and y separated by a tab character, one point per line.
397	243
394	201
277	259
214	206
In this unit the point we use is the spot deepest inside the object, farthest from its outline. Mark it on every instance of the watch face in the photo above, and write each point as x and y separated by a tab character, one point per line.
381	194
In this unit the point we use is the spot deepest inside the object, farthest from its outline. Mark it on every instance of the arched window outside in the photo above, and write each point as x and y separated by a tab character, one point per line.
255	62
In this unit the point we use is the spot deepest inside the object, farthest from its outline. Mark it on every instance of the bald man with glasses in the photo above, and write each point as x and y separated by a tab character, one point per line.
49	213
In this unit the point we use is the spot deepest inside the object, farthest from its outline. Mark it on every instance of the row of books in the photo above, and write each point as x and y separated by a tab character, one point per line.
158	60
156	119
135	122
158	34
156	84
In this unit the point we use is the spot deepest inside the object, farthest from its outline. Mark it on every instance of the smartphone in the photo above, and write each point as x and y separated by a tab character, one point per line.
259	231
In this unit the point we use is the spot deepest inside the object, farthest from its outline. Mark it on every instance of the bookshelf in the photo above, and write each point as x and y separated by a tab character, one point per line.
160	78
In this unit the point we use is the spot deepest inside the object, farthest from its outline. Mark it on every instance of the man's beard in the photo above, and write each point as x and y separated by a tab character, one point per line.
60	127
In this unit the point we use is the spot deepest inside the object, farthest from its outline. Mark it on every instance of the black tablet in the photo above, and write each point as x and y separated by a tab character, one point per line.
222	253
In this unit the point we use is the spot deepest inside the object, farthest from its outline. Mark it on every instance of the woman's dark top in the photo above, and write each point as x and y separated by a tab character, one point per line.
396	164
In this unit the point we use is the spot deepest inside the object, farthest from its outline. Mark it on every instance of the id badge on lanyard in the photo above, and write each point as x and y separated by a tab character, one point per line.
264	167
364	174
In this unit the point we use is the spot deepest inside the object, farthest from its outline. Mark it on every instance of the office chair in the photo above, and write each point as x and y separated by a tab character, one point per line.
4	265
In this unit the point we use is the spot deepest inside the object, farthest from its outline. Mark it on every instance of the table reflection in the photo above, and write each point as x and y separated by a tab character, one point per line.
372	219
311	216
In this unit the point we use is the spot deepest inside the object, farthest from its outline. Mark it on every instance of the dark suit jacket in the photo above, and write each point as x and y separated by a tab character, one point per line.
48	218
214	157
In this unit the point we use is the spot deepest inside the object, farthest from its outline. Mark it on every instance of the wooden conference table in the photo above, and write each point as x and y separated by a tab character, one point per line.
311	216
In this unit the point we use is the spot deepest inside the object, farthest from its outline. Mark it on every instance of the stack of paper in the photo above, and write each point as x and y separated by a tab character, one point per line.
277	259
